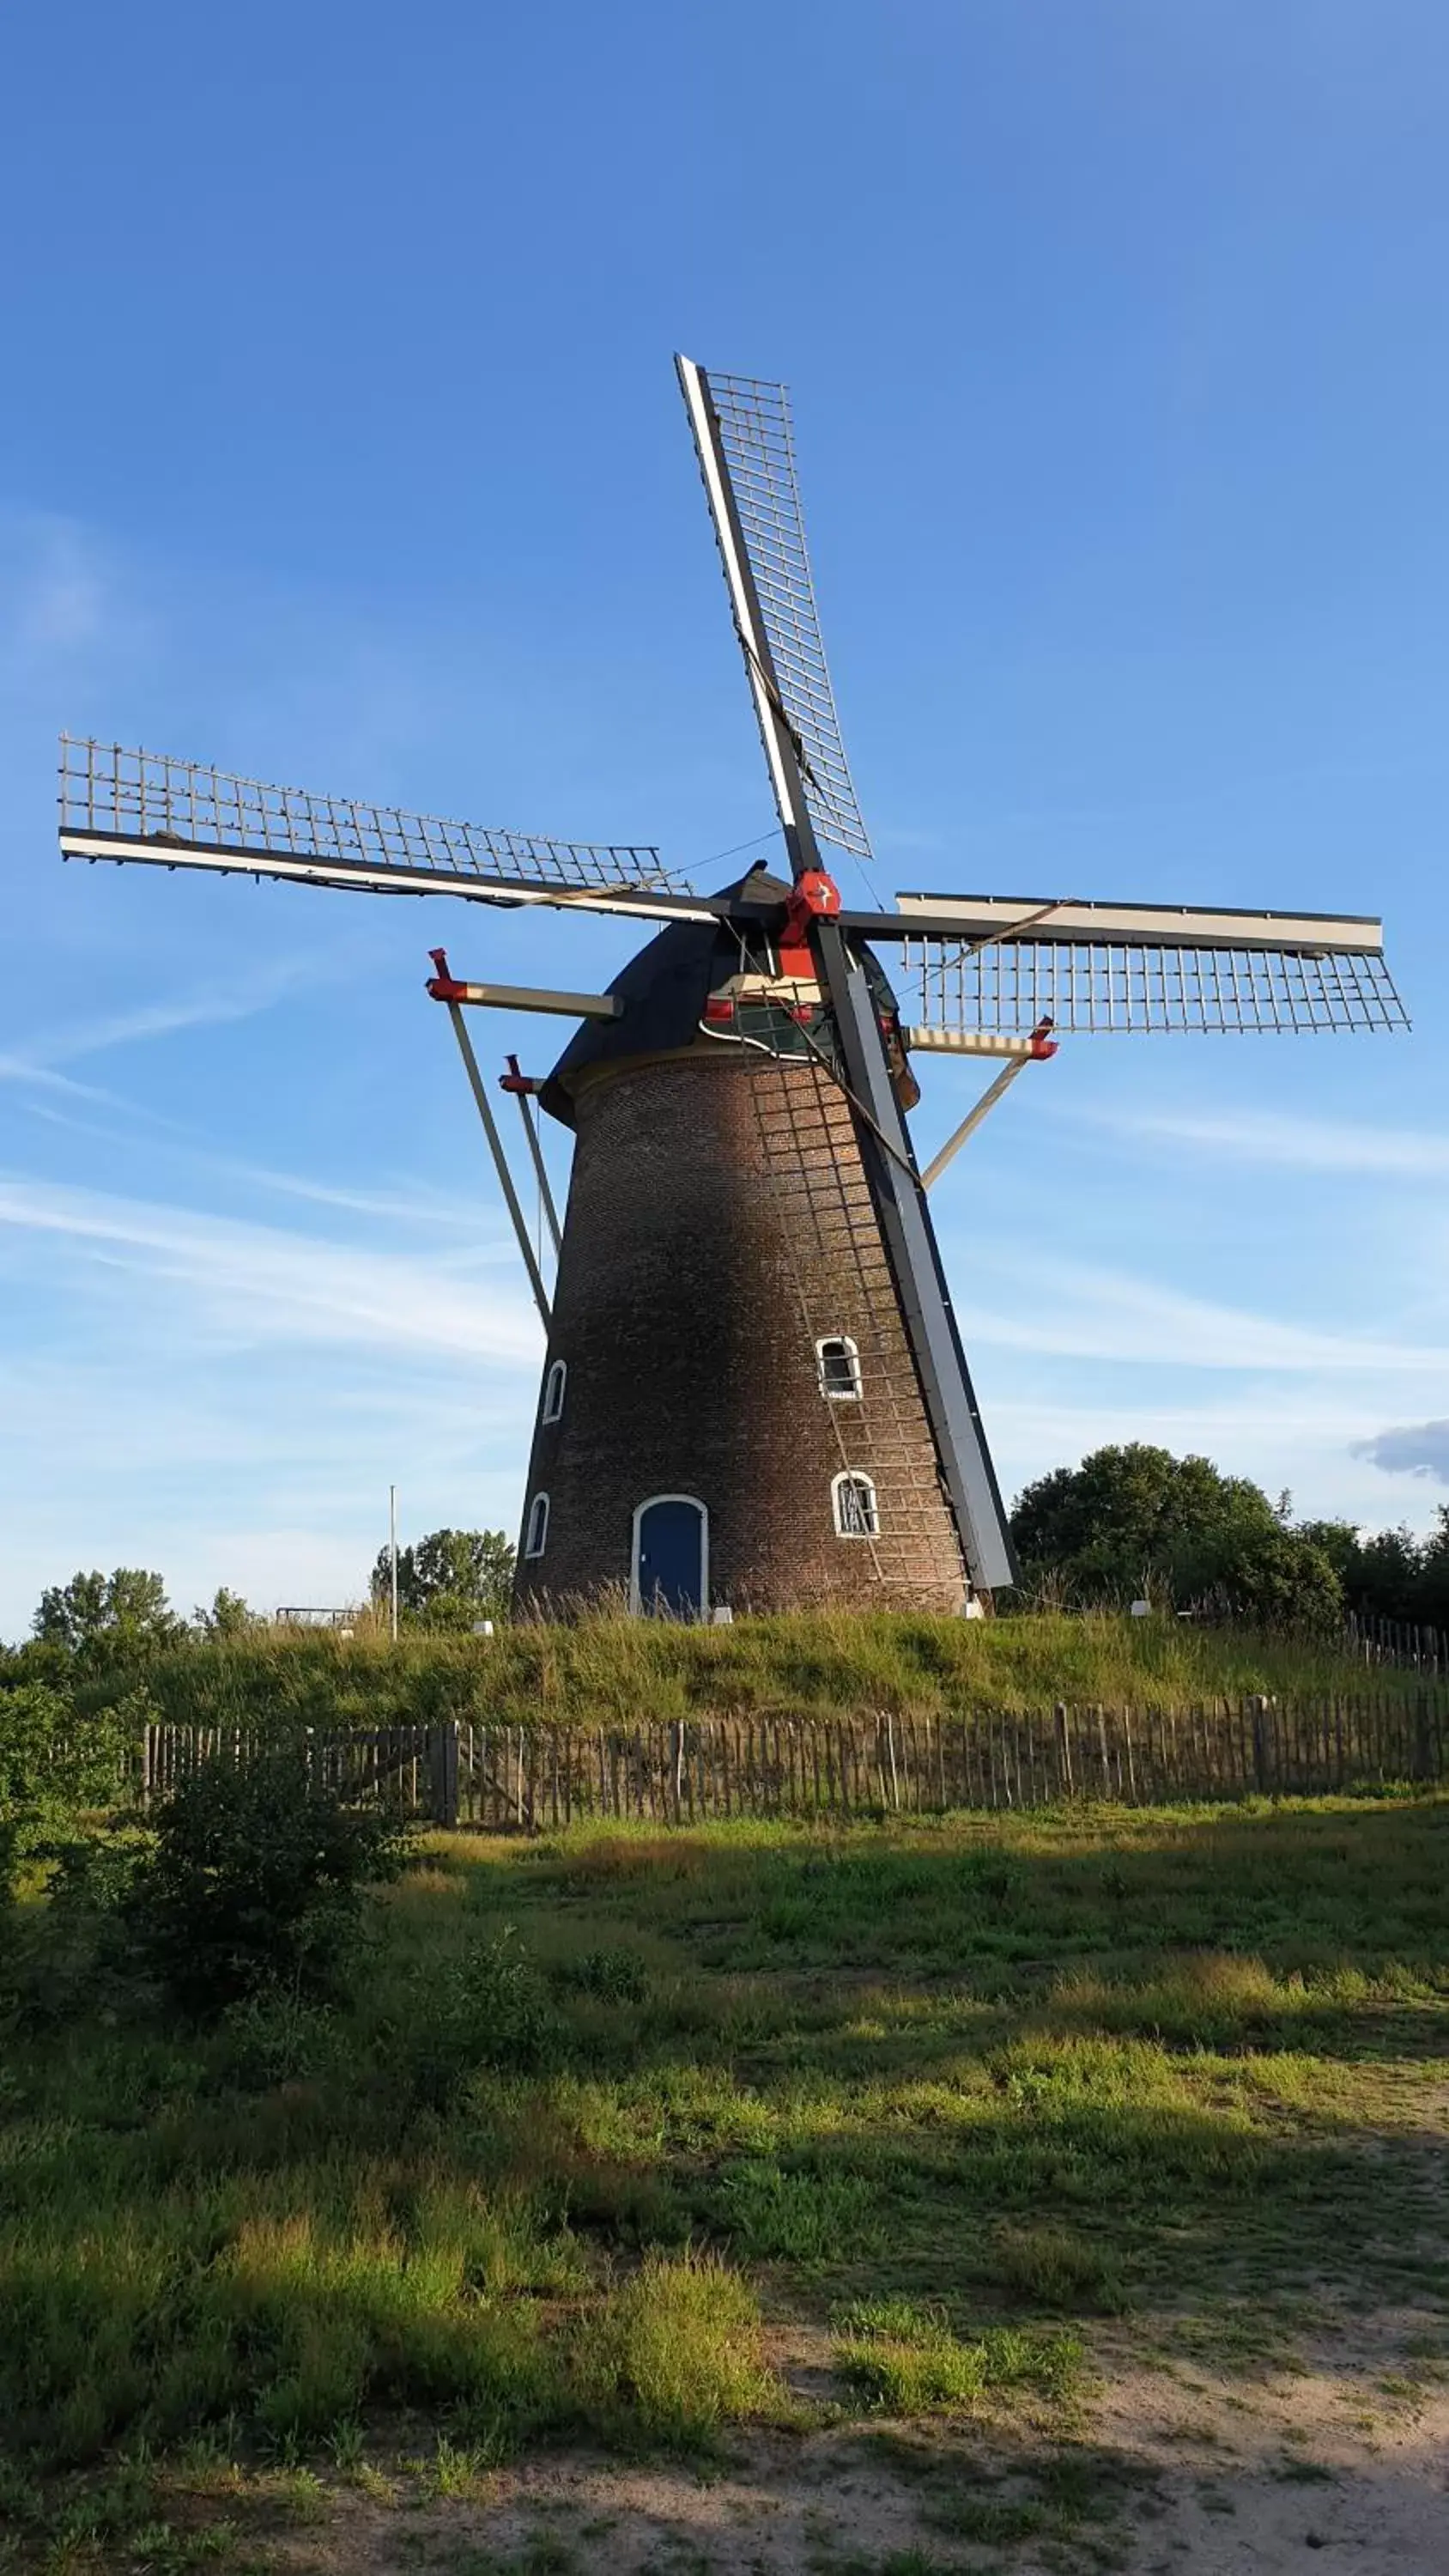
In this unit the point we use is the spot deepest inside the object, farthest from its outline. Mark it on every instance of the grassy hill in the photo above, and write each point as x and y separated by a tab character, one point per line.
612	1670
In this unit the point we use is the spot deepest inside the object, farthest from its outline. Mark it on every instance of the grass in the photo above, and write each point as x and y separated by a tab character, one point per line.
604	2117
608	1670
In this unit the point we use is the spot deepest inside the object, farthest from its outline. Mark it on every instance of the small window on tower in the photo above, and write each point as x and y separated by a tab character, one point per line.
855	1507
839	1364
536	1535
553	1391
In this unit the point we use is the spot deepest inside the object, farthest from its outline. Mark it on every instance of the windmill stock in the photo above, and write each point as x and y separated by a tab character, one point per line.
754	1391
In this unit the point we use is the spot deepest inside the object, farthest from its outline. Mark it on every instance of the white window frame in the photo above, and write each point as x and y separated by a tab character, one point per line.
533	1547
555	1387
636	1604
839	1342
855	1477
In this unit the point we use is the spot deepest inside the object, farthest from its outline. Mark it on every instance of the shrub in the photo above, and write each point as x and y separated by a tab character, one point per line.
488	2008
256	1879
54	1765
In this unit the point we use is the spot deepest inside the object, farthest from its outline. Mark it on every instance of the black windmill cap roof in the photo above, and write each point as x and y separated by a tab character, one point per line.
664	990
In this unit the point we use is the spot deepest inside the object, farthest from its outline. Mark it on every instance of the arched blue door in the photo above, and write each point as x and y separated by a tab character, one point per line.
671	1557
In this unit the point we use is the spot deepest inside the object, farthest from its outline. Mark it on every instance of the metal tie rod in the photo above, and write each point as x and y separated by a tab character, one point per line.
500	1161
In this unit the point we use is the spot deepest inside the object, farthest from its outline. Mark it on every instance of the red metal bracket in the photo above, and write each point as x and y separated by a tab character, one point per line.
1043	1044
521	1084
444	987
813	897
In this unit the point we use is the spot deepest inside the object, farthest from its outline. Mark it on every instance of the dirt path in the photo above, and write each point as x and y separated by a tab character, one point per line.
1175	2467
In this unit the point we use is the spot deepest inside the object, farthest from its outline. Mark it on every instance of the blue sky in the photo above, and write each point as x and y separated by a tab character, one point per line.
341	446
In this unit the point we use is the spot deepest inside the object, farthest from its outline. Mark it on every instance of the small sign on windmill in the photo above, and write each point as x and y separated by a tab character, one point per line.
754	1393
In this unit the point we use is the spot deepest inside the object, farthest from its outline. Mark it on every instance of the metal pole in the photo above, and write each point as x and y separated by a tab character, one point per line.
500	1161
972	1120
392	1552
536	1150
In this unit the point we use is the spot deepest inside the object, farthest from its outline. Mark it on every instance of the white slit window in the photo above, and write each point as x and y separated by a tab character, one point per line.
856	1515
536	1535
553	1391
839	1364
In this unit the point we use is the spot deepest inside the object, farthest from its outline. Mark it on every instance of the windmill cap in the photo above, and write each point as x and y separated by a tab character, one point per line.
664	990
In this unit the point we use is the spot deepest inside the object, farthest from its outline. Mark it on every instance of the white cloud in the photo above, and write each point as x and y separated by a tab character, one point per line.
1299	1144
246	1284
39	1077
212	1007
1078	1312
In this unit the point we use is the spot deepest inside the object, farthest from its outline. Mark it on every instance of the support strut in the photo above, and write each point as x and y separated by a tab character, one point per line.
523	1088
500	1161
1041	1047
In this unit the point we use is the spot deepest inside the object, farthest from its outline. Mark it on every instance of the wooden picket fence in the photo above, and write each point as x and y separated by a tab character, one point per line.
533	1778
1405	1644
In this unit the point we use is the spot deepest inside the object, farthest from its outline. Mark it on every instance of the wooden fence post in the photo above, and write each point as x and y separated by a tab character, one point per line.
443	1750
1259	1707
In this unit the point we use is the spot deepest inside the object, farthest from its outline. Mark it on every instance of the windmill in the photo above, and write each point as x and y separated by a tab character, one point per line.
754	1390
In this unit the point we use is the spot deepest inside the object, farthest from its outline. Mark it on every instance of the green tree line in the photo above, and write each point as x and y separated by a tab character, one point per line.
1130	1521
1135	1521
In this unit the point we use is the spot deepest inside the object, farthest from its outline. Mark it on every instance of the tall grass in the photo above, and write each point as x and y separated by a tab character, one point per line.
617	1670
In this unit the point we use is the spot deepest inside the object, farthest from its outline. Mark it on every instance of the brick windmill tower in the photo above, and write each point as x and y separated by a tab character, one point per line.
754	1393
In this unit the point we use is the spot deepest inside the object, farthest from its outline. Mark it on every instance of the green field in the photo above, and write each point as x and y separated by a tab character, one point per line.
609	2124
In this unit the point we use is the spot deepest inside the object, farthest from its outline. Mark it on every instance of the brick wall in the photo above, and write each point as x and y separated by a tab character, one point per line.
718	1225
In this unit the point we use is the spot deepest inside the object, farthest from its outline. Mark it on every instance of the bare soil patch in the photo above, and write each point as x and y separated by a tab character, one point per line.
1340	2461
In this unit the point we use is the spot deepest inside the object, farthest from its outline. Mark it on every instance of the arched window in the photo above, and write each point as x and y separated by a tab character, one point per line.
856	1515
839	1365
536	1535
553	1391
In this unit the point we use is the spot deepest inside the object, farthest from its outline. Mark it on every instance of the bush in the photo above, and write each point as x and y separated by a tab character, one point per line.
256	1879
54	1765
489	2009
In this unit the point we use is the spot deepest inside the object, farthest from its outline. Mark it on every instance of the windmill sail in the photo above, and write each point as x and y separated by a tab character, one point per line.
143	805
747	456
1108	969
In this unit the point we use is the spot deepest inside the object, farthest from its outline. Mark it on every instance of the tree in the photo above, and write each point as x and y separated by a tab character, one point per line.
227	1617
1390	1574
449	1579
1136	1516
1431	1593
126	1608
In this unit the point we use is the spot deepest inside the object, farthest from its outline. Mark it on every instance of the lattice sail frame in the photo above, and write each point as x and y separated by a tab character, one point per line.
759	447
948	990
123	795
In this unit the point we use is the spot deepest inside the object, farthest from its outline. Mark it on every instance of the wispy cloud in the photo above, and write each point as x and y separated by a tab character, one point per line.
1300	1144
1413	1449
405	1204
1079	1312
43	1077
245	1284
216	1003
